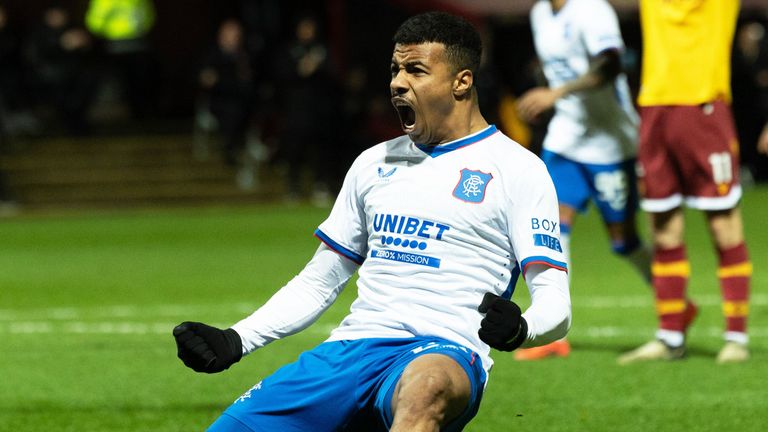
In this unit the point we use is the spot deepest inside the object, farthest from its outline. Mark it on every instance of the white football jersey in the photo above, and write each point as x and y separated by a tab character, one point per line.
435	228
597	126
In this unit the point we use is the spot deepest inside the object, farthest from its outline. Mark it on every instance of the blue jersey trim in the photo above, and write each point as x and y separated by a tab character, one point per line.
341	250
512	283
437	150
545	261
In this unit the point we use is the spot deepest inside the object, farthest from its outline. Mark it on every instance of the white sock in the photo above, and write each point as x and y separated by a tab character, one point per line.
738	337
670	337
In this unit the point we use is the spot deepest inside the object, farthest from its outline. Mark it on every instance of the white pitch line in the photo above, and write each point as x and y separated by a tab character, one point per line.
184	311
604	332
79	327
123	311
160	319
164	328
638	301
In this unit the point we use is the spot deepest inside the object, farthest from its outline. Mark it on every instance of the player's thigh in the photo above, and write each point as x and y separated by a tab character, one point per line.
571	183
429	358
432	385
432	388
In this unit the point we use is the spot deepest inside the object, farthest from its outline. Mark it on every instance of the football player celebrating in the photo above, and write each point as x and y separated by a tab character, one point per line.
439	223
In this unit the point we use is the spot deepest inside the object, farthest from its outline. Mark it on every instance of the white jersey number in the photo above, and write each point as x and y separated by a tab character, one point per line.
612	188
721	167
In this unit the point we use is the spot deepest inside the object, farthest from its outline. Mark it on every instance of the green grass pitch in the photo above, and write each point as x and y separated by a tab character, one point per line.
88	301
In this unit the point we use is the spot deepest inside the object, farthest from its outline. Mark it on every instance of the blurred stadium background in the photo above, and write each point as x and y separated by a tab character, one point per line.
127	212
89	118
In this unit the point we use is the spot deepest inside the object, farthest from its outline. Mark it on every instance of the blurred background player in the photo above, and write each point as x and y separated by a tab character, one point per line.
227	80
591	141
122	29
689	155
59	53
308	86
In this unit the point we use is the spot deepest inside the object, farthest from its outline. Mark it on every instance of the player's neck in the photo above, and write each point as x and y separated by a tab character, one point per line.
464	125
476	121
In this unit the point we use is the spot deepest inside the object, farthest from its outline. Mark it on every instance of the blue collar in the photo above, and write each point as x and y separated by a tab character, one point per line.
437	150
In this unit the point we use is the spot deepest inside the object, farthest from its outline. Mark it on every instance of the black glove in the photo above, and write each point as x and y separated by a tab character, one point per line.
207	349
503	327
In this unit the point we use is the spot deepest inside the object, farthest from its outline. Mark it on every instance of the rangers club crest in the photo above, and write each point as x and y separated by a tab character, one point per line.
471	186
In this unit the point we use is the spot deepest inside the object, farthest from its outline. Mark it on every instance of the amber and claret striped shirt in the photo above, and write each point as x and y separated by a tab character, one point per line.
686	51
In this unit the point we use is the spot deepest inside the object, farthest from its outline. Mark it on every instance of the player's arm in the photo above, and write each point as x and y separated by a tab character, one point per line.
603	69
293	308
549	315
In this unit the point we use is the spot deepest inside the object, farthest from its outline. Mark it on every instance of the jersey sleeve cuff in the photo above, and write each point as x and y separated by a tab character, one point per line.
549	262
339	249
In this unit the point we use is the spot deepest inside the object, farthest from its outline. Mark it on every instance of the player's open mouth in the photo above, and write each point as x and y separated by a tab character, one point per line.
406	113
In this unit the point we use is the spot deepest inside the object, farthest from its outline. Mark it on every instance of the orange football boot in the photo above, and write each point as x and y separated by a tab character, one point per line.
558	348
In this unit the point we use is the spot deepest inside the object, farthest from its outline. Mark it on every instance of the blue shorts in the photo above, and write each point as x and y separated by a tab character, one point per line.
343	386
613	187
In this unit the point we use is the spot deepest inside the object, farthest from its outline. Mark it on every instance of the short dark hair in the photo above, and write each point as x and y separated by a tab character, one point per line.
463	46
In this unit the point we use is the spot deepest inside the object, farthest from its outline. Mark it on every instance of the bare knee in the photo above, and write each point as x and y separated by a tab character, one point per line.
432	391
668	228
726	228
424	393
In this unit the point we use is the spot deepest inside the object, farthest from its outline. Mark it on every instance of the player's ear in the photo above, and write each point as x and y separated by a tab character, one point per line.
462	83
